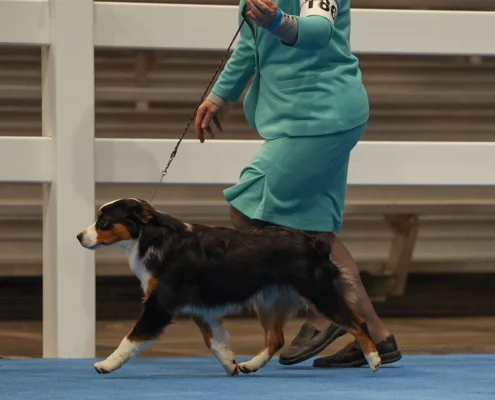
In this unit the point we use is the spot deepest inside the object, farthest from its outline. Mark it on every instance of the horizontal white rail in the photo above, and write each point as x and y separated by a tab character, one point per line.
26	159
25	22
220	161
208	27
200	27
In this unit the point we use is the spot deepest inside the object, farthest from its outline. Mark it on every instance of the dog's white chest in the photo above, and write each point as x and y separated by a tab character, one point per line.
137	266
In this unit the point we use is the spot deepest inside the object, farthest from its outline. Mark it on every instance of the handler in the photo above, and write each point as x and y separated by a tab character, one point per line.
308	102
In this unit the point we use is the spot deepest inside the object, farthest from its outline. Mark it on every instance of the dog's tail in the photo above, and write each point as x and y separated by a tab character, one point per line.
346	284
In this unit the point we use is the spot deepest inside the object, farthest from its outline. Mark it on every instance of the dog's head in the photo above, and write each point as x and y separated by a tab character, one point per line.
119	223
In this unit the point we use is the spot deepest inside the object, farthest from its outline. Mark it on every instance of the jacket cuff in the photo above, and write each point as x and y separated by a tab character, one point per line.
286	29
214	98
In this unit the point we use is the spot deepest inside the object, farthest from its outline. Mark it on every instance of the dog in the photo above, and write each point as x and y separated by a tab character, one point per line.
211	272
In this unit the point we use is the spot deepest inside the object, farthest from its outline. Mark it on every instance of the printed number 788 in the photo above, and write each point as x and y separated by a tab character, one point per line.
323	4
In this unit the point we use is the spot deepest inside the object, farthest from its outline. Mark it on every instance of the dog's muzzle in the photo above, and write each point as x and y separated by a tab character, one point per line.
88	238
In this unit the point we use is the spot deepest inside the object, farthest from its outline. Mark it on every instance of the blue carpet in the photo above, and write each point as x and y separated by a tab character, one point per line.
450	377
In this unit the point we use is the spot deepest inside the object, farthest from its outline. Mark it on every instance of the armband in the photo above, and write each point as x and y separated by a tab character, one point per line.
324	8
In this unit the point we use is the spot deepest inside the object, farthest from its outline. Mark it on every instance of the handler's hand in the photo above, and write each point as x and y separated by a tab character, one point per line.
207	111
262	12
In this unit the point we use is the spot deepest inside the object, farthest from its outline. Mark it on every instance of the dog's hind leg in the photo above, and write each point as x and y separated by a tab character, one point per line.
331	301
149	326
216	339
274	341
360	331
272	315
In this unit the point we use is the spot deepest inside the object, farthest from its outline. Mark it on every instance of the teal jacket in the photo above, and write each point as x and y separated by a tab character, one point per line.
311	88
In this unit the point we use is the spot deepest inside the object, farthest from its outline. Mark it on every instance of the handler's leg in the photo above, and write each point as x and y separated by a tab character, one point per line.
317	334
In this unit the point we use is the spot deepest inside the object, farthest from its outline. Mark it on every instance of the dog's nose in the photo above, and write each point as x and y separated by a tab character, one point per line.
79	237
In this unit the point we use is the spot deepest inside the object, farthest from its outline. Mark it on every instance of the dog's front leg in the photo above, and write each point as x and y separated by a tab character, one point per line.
149	326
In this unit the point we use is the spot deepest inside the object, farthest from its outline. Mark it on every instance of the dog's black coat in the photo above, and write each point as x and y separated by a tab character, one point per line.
209	267
211	272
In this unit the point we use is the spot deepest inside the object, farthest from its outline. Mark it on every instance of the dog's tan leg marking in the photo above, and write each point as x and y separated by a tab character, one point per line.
274	341
152	285
360	332
272	320
216	339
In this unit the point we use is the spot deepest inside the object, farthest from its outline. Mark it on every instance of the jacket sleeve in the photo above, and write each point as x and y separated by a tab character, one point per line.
237	72
313	32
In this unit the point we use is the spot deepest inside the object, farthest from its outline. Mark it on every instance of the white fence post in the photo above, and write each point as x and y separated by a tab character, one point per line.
68	202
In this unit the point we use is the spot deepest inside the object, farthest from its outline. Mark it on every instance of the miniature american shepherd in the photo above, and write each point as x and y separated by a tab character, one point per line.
212	272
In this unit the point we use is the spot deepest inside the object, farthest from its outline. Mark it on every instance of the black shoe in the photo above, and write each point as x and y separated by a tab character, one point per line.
351	356
309	342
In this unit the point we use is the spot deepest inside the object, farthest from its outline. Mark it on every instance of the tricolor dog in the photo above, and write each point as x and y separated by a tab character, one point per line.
211	272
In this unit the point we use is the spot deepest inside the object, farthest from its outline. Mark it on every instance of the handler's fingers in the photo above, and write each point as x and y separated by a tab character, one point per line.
207	118
217	123
200	114
264	6
255	13
210	132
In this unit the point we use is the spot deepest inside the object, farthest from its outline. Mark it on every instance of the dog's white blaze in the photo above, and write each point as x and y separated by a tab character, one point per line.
115	201
256	362
374	360
90	237
121	355
107	204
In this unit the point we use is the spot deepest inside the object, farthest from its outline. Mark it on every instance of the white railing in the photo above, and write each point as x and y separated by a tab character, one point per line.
68	160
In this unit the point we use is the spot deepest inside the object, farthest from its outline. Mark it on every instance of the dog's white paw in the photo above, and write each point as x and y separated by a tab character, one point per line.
374	361
255	363
251	366
106	366
247	368
232	369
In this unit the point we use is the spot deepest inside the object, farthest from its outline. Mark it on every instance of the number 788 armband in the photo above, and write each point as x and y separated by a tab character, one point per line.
324	8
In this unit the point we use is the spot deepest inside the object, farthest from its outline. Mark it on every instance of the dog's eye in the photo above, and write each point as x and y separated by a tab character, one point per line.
103	224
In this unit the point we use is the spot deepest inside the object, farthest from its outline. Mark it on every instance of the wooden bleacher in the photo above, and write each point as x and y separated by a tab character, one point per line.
392	231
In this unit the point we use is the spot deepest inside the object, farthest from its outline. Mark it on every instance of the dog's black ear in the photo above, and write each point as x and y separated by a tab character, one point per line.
140	213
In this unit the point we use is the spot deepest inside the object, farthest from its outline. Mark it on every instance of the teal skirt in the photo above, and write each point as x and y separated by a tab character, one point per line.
297	182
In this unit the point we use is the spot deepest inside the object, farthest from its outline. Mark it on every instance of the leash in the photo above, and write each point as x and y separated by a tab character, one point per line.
174	152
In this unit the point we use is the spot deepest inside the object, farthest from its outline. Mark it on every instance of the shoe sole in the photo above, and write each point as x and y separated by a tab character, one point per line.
307	356
387	358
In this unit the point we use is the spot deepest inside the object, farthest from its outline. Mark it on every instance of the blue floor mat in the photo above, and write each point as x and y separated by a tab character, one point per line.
447	377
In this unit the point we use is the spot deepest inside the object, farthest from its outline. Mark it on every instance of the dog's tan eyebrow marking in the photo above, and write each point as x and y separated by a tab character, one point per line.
117	234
